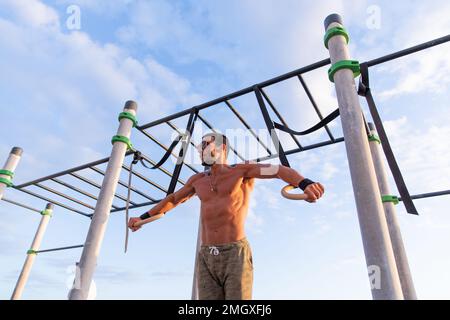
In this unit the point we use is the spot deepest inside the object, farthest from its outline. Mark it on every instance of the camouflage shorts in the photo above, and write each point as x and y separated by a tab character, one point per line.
225	271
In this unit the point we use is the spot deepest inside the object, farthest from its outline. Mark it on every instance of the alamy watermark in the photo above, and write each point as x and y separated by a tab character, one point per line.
373	21
73	21
374	272
242	145
73	281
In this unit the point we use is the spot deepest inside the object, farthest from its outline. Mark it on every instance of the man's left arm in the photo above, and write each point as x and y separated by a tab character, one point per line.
314	190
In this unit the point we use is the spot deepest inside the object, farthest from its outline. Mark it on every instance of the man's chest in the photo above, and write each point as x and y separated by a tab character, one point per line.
211	186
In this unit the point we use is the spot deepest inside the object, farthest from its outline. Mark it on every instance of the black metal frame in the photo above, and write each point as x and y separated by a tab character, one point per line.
194	115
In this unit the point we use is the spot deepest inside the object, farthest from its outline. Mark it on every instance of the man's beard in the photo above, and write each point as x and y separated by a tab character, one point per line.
209	161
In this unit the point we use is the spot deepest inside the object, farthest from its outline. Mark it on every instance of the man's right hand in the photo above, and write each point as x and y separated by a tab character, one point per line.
131	223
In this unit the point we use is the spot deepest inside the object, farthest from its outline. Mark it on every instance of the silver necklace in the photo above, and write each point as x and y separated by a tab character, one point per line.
213	187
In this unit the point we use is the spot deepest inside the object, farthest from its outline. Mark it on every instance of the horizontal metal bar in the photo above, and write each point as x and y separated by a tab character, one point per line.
20	205
62	248
123	184
316	145
140	176
238	115
64	195
241	92
148	160
92	183
408	51
54	202
161	168
55	175
298	150
151	137
429	195
137	206
165	119
67	185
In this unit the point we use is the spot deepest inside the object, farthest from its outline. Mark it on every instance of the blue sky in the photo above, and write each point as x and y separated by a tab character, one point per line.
62	90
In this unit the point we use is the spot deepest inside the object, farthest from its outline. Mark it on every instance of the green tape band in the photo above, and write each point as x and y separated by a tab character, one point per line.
390	198
7	173
374	137
6	181
353	65
336	31
130	116
47	212
122	139
31	251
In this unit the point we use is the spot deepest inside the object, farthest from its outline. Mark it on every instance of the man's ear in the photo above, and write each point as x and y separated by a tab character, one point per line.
224	149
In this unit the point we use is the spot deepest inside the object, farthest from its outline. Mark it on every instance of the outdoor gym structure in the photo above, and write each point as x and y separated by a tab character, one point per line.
387	265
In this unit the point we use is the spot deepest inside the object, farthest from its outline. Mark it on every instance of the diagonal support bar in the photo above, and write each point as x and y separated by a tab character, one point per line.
269	124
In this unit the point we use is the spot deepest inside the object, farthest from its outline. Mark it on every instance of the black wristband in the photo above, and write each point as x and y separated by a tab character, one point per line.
304	183
145	216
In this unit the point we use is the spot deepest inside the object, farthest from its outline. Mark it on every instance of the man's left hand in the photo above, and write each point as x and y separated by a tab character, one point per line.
314	191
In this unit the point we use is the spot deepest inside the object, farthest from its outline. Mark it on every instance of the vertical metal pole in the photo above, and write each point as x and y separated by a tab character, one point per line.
102	210
383	275
9	168
31	254
409	292
194	295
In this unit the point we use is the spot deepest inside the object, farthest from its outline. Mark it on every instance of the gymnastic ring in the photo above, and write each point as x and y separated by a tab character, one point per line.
292	196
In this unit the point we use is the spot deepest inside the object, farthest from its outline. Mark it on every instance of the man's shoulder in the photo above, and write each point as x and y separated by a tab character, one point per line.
195	177
244	165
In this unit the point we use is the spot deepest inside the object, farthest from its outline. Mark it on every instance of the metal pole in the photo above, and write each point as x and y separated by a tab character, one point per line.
194	295
100	218
383	275
21	205
409	293
8	169
31	254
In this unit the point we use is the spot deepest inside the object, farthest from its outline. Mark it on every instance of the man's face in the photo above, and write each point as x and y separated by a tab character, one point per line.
208	151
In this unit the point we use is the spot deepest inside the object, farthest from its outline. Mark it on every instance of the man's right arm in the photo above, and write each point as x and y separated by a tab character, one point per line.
169	202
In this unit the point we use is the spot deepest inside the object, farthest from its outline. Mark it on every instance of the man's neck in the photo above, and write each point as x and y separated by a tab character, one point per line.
218	167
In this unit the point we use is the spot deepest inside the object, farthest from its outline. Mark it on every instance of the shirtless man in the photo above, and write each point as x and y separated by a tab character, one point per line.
225	267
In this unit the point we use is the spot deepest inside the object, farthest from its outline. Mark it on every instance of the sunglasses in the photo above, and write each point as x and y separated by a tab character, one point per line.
204	144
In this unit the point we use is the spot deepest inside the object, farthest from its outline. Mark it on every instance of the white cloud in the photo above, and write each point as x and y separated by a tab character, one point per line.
32	13
328	170
321	224
104	7
422	154
254	220
425	71
72	79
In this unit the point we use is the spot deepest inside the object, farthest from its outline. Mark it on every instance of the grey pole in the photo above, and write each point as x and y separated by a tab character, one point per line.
194	295
383	275
91	250
31	254
7	172
401	259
